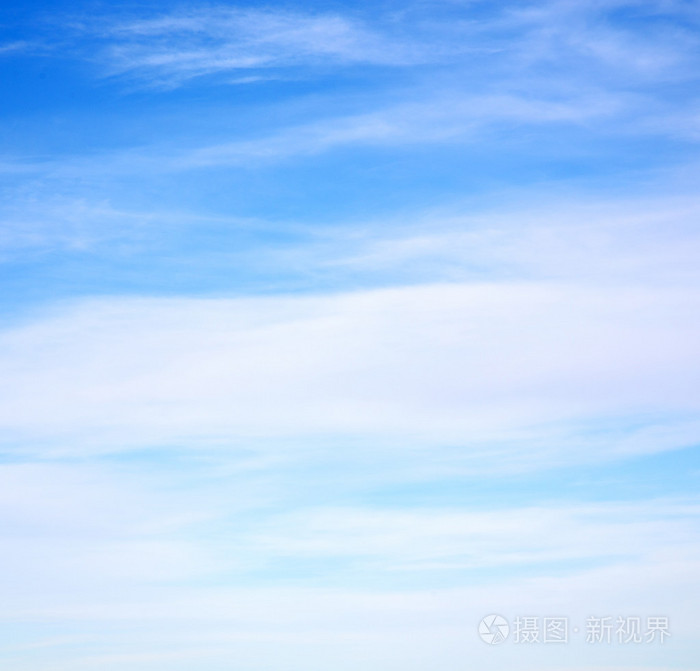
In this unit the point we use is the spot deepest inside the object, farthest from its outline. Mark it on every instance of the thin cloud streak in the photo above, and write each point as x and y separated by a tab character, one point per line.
443	120
14	47
439	121
434	540
173	49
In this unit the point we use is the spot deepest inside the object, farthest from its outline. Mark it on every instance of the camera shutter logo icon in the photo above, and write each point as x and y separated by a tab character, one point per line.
494	629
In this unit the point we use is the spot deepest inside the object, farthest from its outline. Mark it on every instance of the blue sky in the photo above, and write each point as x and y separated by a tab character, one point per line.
329	328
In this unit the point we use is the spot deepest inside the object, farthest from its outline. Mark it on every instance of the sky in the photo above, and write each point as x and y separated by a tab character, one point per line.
328	329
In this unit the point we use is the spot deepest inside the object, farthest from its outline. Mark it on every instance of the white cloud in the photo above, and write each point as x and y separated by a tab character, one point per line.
648	241
73	526
13	47
436	117
658	44
433	540
444	118
101	571
297	628
172	49
475	364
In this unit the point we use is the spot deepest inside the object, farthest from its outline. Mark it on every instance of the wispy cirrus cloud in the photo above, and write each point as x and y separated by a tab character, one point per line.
660	45
642	242
172	49
512	42
444	118
14	47
437	540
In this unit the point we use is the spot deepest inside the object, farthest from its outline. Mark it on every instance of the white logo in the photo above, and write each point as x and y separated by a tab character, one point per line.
494	629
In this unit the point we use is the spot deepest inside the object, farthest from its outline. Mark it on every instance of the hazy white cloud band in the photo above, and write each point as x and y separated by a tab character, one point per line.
469	363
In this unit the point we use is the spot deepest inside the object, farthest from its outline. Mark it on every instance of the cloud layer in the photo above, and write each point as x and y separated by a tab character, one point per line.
474	364
327	329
